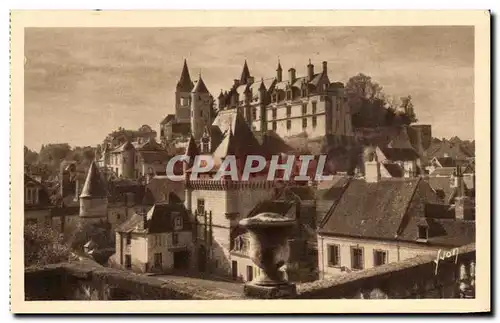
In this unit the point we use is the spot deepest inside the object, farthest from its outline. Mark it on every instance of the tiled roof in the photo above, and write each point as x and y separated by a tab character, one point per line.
159	219
443	188
385	210
149	145
94	186
371	209
316	78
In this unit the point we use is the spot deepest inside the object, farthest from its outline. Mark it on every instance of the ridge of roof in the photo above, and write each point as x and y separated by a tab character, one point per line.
94	185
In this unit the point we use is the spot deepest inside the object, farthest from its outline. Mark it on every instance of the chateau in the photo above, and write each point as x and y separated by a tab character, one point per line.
310	105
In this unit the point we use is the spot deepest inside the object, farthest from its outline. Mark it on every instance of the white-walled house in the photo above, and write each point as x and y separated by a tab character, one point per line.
157	241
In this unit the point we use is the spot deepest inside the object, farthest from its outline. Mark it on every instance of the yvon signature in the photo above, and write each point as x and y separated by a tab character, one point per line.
442	255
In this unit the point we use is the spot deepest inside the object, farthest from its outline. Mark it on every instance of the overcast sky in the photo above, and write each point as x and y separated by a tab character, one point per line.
82	83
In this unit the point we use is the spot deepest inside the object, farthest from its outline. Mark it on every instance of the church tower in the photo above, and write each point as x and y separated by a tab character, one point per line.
94	196
201	108
183	96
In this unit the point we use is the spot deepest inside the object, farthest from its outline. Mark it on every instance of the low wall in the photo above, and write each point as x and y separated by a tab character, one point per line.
411	278
88	281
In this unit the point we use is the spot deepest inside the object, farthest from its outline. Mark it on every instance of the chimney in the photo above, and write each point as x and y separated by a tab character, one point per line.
291	75
250	80
325	67
236	82
310	71
372	167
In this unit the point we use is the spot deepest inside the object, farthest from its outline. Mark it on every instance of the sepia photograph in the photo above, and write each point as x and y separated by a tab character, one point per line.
247	160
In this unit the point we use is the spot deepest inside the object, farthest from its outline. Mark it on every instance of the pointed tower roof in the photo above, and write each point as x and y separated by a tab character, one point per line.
185	84
279	66
221	95
245	74
200	86
192	149
94	184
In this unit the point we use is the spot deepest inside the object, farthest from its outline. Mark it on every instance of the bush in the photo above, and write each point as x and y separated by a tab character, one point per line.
43	245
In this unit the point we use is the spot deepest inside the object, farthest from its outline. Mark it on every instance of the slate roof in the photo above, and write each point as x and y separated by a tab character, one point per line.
394	170
400	154
161	187
200	86
151	157
159	219
443	171
168	118
185	84
125	146
271	206
245	74
94	186
382	211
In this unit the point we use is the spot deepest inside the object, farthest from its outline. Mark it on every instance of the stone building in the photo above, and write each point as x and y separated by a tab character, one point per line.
309	104
379	220
157	241
37	204
194	110
136	160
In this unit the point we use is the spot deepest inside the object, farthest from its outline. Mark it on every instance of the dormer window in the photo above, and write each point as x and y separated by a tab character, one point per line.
177	223
423	232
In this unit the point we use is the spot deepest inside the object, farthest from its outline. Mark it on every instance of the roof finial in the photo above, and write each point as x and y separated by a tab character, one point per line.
309	61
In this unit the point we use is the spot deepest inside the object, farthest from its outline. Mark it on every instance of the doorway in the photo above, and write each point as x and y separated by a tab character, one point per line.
181	259
234	269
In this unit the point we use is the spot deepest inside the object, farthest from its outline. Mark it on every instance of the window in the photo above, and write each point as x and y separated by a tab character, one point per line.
275	97
175	239
254	113
274	126
157	240
201	206
118	216
379	257
333	255
304	108
357	258
289	124
288	111
314	107
201	113
288	95
129	238
314	121
423	232
128	261
178	223
304	123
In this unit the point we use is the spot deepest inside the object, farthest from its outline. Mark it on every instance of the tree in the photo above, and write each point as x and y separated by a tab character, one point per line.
30	157
43	245
371	107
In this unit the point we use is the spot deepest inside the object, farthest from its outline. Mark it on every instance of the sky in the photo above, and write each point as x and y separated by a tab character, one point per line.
83	83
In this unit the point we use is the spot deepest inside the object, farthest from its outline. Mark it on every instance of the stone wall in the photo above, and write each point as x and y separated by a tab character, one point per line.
411	278
88	281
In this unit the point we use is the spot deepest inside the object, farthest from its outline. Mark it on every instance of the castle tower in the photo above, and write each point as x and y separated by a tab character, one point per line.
263	103
183	96
94	197
201	106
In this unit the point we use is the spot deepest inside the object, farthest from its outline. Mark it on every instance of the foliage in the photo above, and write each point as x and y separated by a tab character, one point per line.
371	107
43	245
30	157
99	232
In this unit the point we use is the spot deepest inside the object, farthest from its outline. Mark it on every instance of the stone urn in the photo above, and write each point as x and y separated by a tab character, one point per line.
269	234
